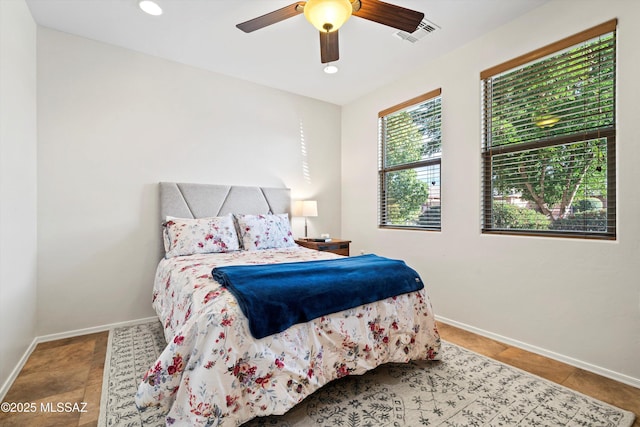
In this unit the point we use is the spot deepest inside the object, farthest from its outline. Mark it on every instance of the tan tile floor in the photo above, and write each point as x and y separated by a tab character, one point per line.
70	371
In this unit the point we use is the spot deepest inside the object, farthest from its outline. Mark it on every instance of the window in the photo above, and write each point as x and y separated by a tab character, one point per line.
409	164
549	134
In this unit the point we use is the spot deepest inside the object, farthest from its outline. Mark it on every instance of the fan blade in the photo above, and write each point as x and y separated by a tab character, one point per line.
329	51
389	14
272	17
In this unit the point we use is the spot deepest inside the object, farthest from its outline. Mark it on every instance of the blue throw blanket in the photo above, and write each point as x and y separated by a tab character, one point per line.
276	296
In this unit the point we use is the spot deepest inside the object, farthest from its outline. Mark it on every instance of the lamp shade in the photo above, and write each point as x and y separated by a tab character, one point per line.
327	15
305	208
310	208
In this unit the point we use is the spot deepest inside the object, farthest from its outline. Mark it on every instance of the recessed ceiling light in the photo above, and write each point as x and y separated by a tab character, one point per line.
330	69
150	7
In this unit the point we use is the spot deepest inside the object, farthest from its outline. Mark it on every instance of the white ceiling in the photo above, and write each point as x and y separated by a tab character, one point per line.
285	55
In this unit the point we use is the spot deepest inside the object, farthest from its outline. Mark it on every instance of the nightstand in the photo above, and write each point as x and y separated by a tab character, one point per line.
337	246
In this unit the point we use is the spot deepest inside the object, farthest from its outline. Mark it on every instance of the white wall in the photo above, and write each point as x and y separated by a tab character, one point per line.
17	185
112	123
574	299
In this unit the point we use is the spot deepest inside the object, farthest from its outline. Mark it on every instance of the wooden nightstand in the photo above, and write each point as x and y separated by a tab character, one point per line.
337	246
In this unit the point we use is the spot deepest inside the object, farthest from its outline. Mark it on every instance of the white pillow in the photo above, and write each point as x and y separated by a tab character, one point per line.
265	231
186	236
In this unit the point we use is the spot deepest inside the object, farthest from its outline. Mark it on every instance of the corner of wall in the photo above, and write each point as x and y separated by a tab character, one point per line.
18	188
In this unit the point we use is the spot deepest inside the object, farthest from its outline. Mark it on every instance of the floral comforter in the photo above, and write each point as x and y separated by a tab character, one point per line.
214	373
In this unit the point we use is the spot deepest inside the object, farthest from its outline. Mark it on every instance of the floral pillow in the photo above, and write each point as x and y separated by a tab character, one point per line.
184	236
265	231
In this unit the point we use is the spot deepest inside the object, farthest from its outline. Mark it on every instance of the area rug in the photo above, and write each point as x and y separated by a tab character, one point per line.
463	389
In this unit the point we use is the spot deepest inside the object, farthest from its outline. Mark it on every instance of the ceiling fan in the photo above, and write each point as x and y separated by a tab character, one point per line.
329	15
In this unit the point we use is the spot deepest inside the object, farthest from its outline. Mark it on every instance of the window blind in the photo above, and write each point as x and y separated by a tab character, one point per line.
549	139
409	163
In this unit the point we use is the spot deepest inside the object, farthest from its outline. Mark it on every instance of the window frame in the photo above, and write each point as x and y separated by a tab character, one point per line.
383	169
488	151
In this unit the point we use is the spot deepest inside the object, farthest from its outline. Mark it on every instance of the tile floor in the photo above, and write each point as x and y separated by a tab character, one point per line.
70	370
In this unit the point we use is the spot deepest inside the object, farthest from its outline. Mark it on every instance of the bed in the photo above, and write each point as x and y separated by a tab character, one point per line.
213	371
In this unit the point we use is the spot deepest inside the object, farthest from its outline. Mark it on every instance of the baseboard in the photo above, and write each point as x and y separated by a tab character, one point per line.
634	382
16	371
69	334
93	330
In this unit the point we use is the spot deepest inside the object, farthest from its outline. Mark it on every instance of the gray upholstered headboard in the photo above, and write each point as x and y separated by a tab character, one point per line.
184	200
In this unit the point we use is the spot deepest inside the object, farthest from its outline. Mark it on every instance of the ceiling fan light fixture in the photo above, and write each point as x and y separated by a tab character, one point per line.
546	120
327	15
150	7
330	69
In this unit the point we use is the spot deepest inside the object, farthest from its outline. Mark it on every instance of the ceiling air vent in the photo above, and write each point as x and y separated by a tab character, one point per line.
424	28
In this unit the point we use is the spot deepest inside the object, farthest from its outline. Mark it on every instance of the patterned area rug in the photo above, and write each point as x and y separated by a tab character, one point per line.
464	389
